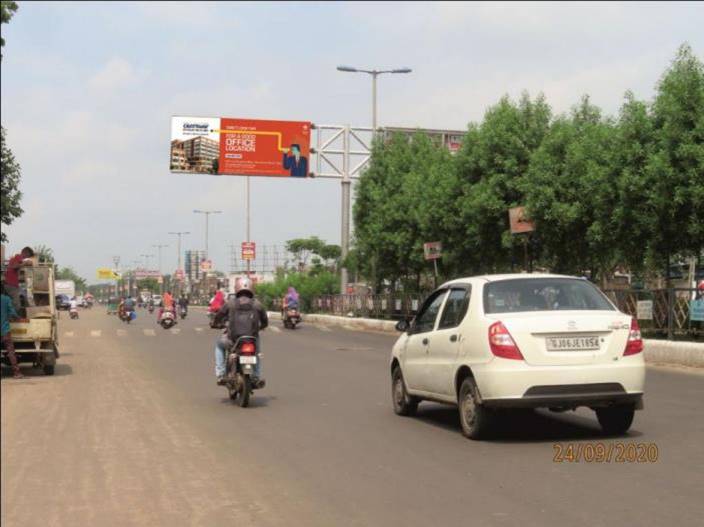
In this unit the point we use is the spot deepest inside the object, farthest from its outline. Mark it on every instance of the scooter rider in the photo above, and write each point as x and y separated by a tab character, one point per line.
243	303
183	303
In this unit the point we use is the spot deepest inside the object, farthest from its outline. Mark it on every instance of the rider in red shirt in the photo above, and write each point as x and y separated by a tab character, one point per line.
12	276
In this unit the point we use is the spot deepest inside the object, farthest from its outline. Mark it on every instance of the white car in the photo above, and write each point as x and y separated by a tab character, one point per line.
520	341
157	300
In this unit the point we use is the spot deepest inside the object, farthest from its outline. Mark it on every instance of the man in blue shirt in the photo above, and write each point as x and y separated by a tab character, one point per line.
295	162
7	311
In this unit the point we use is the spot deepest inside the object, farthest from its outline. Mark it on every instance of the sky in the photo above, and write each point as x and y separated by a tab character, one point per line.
88	90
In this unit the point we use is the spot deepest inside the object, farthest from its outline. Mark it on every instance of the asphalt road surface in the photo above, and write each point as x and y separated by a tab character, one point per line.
132	430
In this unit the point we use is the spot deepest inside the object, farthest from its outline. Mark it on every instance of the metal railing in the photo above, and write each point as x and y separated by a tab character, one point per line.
668	317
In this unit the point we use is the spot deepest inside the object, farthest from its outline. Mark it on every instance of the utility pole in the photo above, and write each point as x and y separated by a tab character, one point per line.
159	247
249	262
116	261
207	217
179	234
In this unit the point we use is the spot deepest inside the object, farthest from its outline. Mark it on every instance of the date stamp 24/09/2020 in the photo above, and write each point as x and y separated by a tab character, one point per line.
612	452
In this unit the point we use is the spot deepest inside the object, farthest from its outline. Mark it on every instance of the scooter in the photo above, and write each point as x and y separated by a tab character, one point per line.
151	308
291	317
182	311
73	313
168	319
241	361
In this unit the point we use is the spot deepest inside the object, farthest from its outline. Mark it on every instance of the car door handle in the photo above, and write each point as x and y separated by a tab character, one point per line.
425	342
453	338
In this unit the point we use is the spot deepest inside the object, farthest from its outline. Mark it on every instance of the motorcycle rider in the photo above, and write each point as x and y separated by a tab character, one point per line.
183	303
167	305
243	302
73	306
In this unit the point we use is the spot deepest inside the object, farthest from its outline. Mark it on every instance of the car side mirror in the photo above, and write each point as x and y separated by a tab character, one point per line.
402	325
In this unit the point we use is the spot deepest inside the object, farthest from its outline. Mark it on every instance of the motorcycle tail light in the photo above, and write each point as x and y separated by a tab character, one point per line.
248	348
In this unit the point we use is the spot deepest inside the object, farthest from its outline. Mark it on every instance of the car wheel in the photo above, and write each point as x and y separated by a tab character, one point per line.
404	404
48	369
474	417
615	420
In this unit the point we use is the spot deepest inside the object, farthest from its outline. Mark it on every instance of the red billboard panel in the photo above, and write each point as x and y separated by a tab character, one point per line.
240	147
249	251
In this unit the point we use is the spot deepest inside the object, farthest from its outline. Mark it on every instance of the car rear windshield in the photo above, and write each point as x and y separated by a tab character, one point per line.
543	294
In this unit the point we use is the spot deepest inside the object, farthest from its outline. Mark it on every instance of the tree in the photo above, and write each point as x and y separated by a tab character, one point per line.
675	171
491	165
149	284
7	9
302	248
10	192
569	193
9	168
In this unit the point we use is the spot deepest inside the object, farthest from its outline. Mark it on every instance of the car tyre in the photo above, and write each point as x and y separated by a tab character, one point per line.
616	420
48	369
404	404
474	417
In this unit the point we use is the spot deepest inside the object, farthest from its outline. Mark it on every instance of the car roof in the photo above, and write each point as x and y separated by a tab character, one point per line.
508	276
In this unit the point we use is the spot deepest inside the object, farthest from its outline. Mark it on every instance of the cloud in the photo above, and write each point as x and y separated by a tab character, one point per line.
116	74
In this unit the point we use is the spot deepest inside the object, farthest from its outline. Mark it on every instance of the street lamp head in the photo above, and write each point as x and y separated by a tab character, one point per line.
402	70
348	69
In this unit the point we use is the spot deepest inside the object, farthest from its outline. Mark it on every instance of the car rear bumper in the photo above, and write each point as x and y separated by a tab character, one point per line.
569	396
503	384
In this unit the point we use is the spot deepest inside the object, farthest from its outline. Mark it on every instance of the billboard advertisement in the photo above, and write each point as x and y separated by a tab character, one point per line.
249	250
240	147
518	221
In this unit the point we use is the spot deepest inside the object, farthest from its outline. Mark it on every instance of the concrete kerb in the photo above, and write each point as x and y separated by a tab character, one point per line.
679	353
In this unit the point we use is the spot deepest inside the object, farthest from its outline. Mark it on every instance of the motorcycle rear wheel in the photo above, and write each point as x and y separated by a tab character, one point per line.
243	400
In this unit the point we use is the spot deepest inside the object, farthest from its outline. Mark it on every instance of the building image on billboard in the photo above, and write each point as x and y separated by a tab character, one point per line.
240	147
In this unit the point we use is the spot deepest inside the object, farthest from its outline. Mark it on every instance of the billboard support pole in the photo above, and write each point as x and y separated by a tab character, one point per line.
249	262
345	223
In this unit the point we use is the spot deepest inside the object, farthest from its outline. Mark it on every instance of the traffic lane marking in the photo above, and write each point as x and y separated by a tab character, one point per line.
176	331
199	329
121	332
275	329
68	334
324	328
96	333
149	333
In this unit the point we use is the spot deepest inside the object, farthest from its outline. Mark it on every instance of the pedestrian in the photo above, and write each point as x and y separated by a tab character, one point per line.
7	311
12	276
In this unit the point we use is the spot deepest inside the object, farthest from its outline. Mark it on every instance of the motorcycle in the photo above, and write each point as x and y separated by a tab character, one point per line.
126	315
241	362
151	308
291	317
213	322
182	311
168	319
73	313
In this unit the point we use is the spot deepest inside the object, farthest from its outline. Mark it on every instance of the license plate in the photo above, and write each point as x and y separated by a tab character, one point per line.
248	360
583	343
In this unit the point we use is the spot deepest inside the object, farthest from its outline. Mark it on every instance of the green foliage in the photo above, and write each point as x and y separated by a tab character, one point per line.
10	192
605	193
7	9
307	285
401	202
150	284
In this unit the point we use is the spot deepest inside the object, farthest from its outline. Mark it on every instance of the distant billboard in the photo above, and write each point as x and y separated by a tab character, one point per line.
240	147
518	221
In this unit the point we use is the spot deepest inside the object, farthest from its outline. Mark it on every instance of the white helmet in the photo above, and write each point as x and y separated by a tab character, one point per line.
243	284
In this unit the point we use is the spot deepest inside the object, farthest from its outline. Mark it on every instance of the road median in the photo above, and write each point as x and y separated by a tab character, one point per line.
677	353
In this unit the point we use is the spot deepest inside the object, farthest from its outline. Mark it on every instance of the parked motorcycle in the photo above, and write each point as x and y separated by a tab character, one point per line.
241	363
168	319
291	317
73	313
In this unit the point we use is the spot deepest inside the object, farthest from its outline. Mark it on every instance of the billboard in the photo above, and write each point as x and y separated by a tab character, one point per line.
518	221
240	147
432	250
104	273
249	250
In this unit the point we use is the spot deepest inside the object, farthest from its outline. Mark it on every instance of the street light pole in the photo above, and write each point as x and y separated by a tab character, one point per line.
207	216
179	234
346	182
116	261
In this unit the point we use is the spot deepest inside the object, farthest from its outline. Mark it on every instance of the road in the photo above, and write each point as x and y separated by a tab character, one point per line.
132	430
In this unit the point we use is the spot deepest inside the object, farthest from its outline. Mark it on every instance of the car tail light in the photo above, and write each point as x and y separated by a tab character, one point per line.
248	348
635	341
501	342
